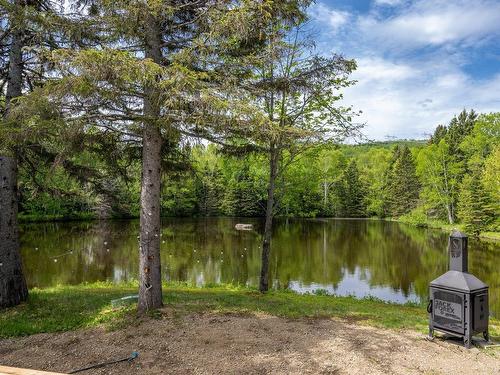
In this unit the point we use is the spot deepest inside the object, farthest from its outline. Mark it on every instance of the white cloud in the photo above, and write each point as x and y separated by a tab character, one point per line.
388	2
403	89
376	68
434	23
412	101
334	18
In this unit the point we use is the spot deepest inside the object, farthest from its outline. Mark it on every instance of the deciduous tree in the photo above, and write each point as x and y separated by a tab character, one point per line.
297	89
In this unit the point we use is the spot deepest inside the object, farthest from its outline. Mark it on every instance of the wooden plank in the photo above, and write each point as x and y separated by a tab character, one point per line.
5	370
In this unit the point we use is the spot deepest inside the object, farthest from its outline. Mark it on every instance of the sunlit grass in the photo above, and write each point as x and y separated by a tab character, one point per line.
66	308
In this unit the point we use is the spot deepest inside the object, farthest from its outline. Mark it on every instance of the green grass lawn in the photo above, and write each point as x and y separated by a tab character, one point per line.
67	308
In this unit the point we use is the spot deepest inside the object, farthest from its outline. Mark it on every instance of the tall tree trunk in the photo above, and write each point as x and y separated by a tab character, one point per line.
15	75
13	288
268	226
150	291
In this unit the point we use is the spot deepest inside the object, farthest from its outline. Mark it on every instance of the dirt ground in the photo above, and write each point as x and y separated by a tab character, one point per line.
248	344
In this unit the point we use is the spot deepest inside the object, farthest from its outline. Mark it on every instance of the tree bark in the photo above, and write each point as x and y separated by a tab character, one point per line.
15	74
150	290
13	288
268	226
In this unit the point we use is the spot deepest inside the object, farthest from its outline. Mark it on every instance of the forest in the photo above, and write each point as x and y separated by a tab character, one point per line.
453	177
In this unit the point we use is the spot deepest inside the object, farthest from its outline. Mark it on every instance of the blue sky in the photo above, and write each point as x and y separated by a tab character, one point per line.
419	62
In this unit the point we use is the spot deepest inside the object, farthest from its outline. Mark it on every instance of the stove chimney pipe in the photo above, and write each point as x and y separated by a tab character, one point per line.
457	247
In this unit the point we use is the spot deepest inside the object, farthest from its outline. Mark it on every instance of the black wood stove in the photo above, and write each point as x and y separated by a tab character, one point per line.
458	301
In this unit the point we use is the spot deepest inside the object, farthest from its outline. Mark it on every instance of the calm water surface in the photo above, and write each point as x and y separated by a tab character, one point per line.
391	261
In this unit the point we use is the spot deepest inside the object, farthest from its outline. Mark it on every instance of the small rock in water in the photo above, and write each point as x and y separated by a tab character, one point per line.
243	226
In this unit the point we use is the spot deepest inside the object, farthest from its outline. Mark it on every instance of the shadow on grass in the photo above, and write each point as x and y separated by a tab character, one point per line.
62	309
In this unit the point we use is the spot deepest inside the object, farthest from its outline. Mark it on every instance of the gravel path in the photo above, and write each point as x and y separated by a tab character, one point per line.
247	344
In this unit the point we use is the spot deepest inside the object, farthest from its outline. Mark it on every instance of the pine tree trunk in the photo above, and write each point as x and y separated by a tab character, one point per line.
13	288
268	226
150	291
15	75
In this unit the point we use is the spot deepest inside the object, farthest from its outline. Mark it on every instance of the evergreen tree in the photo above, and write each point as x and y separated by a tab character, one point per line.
240	198
459	128
475	209
210	191
439	133
402	185
354	193
25	27
166	70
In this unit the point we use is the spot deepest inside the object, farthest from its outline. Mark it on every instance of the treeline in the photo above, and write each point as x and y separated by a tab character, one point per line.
452	177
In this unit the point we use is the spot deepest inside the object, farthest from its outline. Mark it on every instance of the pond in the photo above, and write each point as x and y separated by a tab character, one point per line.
387	260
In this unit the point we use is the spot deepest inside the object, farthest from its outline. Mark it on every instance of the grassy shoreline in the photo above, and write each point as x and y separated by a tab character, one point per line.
66	308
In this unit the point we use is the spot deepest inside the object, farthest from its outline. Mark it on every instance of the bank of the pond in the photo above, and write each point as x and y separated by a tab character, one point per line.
441	225
67	308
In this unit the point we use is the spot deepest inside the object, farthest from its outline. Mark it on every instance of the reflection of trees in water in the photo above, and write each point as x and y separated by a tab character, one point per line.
485	264
301	250
319	251
397	258
387	254
71	253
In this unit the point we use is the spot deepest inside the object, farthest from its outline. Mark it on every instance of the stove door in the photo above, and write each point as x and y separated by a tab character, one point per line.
448	310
